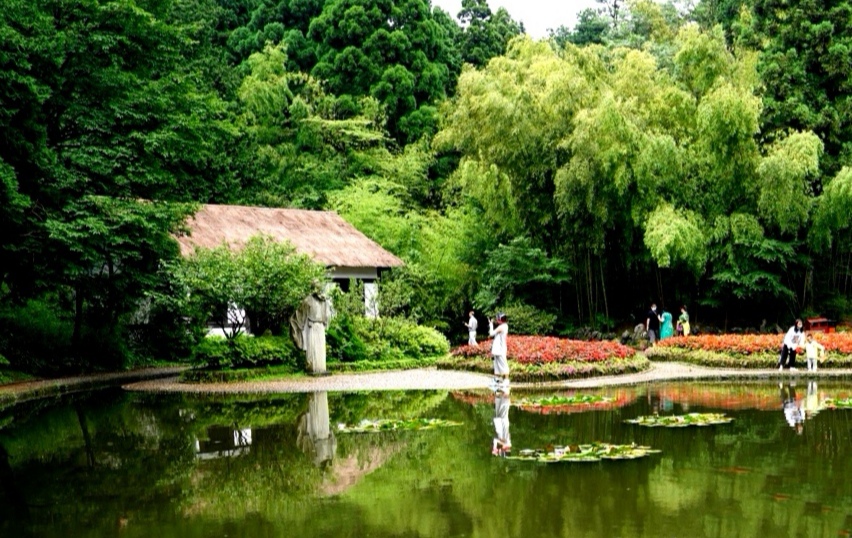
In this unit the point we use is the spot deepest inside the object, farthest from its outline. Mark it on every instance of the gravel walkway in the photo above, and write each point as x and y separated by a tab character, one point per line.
433	379
30	390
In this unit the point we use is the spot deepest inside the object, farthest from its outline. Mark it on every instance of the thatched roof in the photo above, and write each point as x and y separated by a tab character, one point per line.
323	235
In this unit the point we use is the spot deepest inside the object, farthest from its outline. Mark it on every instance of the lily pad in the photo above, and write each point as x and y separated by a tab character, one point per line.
843	403
556	400
681	421
584	453
390	425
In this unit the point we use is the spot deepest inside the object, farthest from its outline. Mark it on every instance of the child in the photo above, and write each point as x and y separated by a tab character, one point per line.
498	350
814	352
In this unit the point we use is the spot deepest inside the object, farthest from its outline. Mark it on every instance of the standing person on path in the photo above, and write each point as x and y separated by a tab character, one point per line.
471	329
499	350
666	329
652	324
814	351
793	340
683	322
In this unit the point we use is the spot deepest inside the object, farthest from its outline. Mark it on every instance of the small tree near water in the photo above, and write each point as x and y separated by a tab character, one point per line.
266	278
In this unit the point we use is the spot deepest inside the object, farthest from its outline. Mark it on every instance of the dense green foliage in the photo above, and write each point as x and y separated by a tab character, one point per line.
244	352
654	152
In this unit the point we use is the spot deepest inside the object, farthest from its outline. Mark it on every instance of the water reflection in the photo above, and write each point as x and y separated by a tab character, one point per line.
315	436
132	466
792	407
222	442
501	444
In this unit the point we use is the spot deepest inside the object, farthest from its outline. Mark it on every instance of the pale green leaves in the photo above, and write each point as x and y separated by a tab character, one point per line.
675	236
703	58
785	195
834	211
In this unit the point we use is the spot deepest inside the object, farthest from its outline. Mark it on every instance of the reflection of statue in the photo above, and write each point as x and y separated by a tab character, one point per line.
502	443
314	434
308	325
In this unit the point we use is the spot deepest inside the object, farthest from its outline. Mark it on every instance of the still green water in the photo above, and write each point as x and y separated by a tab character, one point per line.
118	464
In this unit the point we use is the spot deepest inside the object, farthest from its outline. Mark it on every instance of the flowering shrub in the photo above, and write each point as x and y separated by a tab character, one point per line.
748	344
546	349
540	358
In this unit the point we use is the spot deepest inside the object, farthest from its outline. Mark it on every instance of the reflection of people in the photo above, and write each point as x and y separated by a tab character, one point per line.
814	351
501	445
499	350
471	325
314	435
652	324
308	325
812	404
793	340
683	322
666	329
792	411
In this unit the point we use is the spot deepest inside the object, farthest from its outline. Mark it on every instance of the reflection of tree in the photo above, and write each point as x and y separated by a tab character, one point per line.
14	497
87	438
707	482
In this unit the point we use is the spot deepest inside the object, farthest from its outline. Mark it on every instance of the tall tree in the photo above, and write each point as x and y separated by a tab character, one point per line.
103	106
394	51
485	34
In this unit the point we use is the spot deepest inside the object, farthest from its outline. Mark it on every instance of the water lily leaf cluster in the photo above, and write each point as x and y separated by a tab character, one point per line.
839	403
557	400
390	425
681	421
586	453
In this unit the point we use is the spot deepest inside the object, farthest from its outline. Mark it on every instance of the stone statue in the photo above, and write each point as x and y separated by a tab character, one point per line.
314	435
308	325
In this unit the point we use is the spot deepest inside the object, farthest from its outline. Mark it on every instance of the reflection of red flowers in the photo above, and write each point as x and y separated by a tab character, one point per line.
547	349
747	344
727	397
620	398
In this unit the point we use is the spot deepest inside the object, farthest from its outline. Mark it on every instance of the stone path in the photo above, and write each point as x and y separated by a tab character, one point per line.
433	379
29	390
165	380
422	379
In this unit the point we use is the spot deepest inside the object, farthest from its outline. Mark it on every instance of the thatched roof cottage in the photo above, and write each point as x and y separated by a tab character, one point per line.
323	235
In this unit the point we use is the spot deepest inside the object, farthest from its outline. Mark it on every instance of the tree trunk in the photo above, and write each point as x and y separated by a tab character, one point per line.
77	336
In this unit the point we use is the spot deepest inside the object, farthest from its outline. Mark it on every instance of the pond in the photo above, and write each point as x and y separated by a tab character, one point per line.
112	463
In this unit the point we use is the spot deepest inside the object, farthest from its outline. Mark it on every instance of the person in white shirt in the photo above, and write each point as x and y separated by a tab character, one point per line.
471	325
499	349
814	351
793	341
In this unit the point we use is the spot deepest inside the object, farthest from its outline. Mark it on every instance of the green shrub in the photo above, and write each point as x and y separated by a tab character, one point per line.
35	338
527	319
367	366
246	351
342	341
397	339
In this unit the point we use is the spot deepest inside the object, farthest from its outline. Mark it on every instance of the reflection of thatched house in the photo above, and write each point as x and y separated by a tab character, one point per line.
323	235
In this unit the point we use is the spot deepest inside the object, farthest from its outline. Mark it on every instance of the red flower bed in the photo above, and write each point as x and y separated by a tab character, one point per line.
747	344
546	349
